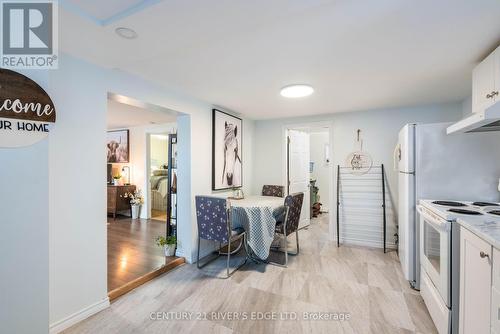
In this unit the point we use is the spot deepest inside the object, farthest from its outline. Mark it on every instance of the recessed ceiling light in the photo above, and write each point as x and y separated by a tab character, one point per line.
294	91
126	33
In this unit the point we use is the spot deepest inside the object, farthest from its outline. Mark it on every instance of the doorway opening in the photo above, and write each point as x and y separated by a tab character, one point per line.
158	175
308	169
140	192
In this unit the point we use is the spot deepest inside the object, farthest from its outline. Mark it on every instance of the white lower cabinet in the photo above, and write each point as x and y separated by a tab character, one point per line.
495	293
495	310
475	284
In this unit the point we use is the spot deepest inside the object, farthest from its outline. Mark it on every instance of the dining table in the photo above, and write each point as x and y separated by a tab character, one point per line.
257	215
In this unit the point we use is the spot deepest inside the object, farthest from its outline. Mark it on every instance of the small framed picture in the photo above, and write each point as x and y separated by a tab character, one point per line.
226	151
117	146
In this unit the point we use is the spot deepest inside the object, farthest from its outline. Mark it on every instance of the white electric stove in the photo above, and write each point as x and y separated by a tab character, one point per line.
440	251
452	210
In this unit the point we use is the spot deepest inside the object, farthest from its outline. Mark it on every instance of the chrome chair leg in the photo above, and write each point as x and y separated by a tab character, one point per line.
297	239
198	255
198	265
297	244
245	244
228	256
229	274
286	250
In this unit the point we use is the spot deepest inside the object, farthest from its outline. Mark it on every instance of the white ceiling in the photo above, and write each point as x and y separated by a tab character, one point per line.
105	12
122	116
357	54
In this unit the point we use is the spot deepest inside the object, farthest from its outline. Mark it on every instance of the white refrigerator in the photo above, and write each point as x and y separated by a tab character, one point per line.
434	165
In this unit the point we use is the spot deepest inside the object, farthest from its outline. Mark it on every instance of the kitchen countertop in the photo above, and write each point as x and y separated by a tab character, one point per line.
485	228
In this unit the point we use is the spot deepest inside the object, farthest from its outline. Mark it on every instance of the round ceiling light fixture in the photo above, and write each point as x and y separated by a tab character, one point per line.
126	33
296	90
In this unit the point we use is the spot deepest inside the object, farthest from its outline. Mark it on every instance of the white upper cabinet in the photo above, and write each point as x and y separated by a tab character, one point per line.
486	82
497	74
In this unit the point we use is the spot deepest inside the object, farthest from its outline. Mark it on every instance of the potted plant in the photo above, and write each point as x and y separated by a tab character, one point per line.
116	179
136	200
169	243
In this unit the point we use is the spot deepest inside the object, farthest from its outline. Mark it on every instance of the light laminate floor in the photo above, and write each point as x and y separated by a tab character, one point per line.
323	279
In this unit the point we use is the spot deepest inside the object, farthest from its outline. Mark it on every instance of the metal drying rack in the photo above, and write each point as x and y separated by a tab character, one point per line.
383	203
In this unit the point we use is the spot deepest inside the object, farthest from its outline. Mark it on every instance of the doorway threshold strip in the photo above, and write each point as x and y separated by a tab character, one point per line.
113	294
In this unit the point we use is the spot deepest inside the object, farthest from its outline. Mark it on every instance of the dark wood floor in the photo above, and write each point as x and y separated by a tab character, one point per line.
132	251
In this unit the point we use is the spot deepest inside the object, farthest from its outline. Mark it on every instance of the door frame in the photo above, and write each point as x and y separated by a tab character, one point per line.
331	188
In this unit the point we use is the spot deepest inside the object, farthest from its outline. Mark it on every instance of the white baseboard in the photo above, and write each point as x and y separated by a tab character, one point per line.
76	317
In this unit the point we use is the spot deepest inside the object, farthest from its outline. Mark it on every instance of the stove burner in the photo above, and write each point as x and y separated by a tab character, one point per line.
484	204
495	212
465	212
449	203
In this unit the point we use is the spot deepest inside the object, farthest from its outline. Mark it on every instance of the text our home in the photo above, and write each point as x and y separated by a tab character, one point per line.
24	126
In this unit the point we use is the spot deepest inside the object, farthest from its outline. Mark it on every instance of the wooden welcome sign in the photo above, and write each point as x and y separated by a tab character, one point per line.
26	110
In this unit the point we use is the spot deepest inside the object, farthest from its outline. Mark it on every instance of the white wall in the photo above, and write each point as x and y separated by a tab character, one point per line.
321	171
24	231
77	192
68	200
379	130
467	106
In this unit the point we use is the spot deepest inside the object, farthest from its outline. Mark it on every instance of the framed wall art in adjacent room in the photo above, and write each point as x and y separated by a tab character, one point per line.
117	146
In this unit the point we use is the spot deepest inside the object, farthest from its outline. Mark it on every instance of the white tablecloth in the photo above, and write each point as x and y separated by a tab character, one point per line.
257	215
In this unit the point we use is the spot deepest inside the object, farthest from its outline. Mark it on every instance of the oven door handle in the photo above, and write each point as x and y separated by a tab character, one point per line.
438	223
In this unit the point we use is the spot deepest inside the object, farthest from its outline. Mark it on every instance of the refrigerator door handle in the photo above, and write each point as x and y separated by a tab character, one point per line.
397	157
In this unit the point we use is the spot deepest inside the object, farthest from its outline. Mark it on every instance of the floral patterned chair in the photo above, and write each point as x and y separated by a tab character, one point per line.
273	190
214	224
293	205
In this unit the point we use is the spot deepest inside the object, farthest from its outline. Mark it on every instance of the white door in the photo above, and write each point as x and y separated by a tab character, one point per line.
298	170
475	284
